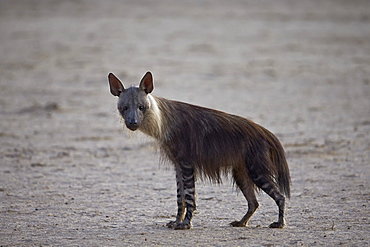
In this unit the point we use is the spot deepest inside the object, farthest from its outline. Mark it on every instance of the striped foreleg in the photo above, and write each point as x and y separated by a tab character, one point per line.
188	181
180	200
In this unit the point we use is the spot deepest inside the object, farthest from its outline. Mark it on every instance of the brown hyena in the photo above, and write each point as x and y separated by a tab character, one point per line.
207	143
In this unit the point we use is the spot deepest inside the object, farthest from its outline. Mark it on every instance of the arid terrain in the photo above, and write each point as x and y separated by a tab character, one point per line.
71	175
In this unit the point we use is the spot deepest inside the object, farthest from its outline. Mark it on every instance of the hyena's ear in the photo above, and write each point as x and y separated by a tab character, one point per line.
146	84
116	86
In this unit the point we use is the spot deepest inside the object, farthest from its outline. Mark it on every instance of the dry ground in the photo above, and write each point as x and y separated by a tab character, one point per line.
69	175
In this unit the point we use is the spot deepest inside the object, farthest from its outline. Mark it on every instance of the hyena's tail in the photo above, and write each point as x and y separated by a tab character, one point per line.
277	155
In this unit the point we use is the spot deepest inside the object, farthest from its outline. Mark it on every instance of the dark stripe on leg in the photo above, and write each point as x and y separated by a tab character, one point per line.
189	192
180	200
274	193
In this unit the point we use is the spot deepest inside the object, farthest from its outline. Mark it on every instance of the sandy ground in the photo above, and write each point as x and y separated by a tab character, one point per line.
69	174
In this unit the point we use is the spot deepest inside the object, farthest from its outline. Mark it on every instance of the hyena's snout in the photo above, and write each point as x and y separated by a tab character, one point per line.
132	119
132	124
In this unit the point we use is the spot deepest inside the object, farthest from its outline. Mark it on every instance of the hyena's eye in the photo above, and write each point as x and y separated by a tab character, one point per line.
141	107
123	108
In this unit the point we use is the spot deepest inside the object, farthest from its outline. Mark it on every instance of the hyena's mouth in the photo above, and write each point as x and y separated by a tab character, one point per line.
132	127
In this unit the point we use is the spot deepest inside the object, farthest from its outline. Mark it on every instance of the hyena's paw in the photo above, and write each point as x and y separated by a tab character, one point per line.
172	224
277	225
237	224
182	226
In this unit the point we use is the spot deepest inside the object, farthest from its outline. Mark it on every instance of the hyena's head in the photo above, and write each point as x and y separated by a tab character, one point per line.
133	102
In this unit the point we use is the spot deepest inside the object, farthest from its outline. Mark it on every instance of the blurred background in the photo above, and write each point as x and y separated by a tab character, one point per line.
299	68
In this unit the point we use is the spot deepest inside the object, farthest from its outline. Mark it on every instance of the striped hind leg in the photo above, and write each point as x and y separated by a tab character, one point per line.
270	189
248	189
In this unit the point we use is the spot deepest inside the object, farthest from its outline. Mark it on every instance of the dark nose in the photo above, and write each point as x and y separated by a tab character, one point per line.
132	124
